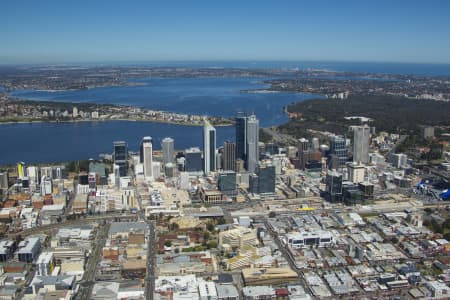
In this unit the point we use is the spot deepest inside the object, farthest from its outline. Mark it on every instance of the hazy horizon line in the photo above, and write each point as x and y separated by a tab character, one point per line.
193	61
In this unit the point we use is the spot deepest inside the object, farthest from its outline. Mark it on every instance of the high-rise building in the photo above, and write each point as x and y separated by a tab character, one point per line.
306	153
33	174
21	169
253	182
266	178
181	162
361	136
338	147
209	148
46	186
303	145
47	171
141	147
193	161
156	169
334	186
167	150
356	172
120	156
226	183
4	180
252	143
239	166
398	160
229	156
241	136
147	156
169	170
261	150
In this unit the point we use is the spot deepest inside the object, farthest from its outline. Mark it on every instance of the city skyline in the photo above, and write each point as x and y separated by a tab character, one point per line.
385	31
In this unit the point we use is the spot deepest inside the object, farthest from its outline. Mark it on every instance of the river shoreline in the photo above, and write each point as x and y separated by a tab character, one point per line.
109	120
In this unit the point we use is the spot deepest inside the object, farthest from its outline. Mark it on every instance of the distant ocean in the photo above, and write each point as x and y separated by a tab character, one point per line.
49	142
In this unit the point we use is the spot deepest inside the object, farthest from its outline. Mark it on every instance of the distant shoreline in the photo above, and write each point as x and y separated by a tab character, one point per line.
108	120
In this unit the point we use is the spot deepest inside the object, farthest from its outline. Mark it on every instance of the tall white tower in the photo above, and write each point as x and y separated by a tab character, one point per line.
252	143
209	148
147	155
361	135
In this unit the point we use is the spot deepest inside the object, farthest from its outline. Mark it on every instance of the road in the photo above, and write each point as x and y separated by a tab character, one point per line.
95	218
288	257
87	283
151	261
151	253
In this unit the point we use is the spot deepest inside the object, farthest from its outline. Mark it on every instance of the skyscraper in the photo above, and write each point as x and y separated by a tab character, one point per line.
252	143
141	148
333	186
266	179
120	156
306	153
193	160
209	148
20	169
338	147
167	149
361	135
147	154
241	136
229	156
226	183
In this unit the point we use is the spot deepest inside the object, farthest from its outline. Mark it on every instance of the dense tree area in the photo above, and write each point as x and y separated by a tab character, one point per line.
264	137
389	113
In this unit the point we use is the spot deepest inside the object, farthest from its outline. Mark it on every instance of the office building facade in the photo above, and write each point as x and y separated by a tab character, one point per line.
333	186
266	179
338	148
147	156
252	143
229	156
361	137
120	156
167	146
241	136
226	183
209	148
193	161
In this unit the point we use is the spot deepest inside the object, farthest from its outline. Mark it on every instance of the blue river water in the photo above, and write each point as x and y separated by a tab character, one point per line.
47	142
201	96
60	142
51	142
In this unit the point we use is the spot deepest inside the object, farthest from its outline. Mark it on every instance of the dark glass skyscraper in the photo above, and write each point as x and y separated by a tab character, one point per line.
338	147
266	176
193	160
120	156
241	136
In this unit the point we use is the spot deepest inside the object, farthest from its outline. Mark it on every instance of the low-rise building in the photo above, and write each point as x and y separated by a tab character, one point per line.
29	249
307	239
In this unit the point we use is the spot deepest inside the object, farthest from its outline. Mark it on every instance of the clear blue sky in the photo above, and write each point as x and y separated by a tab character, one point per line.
41	31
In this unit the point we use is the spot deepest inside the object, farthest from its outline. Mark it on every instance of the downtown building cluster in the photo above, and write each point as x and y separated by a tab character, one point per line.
328	217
